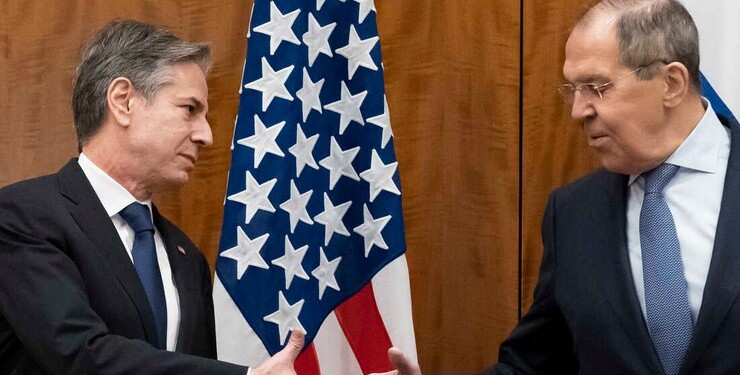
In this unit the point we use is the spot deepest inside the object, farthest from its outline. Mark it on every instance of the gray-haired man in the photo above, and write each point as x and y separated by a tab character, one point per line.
640	268
93	280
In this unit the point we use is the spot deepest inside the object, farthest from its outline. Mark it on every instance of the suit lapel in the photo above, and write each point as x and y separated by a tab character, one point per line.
94	222
616	273
721	289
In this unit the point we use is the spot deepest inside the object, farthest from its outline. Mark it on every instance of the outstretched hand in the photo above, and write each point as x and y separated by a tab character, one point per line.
282	362
403	365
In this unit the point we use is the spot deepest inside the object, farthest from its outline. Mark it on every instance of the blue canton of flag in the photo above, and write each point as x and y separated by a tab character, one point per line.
313	205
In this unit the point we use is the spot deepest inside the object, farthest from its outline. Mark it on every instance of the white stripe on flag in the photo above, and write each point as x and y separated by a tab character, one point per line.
393	296
333	351
236	341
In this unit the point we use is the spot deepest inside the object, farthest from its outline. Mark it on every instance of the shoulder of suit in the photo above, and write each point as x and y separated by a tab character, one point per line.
594	183
37	189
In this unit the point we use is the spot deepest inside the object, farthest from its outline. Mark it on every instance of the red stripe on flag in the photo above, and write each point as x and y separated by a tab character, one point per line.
364	328
307	362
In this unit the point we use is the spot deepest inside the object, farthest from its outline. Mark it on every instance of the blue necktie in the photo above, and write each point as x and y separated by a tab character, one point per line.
666	300
145	261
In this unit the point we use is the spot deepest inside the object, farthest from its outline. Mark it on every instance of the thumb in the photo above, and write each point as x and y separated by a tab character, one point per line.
404	365
295	344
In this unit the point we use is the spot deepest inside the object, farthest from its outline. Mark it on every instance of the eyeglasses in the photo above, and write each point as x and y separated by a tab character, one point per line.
590	91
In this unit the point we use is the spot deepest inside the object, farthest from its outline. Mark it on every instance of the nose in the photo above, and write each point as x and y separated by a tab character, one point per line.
582	108
202	134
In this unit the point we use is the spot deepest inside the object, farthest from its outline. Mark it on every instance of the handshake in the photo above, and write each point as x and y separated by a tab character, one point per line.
282	362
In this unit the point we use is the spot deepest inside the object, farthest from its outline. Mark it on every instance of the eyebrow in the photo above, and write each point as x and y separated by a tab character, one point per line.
592	78
198	104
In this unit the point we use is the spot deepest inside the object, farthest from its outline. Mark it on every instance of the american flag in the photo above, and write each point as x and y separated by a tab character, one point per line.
313	234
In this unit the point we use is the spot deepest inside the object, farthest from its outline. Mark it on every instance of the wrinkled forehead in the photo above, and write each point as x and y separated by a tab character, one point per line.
186	79
591	51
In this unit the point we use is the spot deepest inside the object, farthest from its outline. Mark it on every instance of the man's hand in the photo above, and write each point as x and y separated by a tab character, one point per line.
282	362
403	365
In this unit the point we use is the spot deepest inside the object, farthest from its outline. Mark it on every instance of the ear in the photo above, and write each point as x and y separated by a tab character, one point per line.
677	84
119	98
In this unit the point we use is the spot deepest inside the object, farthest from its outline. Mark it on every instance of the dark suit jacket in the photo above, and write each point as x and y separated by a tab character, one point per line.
70	299
586	317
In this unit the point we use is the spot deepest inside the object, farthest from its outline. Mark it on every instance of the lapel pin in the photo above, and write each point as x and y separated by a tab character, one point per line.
179	248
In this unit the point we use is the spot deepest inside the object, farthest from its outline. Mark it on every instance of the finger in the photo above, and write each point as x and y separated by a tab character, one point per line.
402	363
295	344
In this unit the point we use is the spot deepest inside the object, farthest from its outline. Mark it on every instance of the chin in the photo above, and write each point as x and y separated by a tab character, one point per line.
615	165
182	180
622	167
170	182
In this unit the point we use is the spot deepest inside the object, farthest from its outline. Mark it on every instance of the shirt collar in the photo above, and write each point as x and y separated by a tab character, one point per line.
112	195
700	151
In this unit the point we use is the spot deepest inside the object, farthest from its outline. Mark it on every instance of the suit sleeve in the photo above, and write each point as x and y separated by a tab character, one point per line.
44	303
541	343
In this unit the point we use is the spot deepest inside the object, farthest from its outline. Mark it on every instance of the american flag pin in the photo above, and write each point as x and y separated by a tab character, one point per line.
181	249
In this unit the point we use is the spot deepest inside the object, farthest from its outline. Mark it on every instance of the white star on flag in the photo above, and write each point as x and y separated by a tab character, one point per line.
319	4
371	229
309	95
348	108
302	150
357	52
317	39
296	206
254	197
271	84
279	28
339	163
380	176
286	317
383	121
264	140
324	273
291	262
366	6
331	218
247	252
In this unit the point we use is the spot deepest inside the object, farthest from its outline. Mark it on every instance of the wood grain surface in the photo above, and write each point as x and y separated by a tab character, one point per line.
554	148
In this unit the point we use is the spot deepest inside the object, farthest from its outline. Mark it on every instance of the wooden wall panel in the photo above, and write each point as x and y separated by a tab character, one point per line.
554	149
452	75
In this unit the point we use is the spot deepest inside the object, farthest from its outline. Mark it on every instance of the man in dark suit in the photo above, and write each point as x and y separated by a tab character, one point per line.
93	280
640	267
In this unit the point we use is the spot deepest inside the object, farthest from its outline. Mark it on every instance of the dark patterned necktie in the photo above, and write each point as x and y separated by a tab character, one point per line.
145	261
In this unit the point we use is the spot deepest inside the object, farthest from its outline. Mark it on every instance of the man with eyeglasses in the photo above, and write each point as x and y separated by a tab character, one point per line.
641	265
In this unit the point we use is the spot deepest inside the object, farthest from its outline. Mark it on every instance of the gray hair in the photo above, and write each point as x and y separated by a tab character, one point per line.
141	52
650	31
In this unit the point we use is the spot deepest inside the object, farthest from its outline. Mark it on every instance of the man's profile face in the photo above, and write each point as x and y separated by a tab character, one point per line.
167	131
626	127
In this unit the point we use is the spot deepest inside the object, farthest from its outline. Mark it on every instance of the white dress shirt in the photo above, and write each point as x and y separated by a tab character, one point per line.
694	197
114	198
